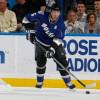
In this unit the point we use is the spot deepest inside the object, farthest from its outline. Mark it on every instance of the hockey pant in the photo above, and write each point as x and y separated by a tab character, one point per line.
41	64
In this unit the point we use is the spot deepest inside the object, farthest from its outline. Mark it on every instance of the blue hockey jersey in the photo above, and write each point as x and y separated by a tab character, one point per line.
46	30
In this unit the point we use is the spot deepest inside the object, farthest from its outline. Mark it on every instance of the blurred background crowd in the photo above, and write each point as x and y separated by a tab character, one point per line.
80	16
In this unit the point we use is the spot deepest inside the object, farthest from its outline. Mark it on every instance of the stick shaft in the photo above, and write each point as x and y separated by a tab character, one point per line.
69	72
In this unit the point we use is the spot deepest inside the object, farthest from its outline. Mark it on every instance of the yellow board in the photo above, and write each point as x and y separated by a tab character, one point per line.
48	83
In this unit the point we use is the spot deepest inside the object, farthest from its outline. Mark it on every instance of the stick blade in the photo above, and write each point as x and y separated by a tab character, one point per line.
89	86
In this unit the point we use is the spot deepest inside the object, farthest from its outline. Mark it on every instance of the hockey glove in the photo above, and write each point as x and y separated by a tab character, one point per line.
56	43
30	35
50	52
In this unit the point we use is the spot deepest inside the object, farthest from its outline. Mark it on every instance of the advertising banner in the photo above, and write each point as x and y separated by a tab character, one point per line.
17	56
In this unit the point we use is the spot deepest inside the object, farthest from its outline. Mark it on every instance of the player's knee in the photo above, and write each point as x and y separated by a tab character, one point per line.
61	58
64	64
41	62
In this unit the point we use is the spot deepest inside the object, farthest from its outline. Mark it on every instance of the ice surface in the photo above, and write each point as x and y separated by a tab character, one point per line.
48	94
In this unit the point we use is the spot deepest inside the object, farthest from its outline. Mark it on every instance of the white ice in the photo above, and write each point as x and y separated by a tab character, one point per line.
28	93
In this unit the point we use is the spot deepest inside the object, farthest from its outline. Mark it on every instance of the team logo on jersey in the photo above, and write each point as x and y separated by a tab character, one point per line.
55	27
46	29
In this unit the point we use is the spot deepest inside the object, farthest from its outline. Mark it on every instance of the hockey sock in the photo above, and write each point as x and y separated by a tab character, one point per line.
67	79
40	78
40	75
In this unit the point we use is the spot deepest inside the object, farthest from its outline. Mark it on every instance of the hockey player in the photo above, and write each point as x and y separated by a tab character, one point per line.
49	34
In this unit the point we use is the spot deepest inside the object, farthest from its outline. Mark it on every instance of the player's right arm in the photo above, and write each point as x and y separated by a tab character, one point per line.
29	19
30	23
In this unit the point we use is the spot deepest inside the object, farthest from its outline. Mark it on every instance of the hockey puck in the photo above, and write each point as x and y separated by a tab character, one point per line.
87	92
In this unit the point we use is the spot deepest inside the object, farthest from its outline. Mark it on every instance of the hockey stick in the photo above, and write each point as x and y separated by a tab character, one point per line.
88	86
